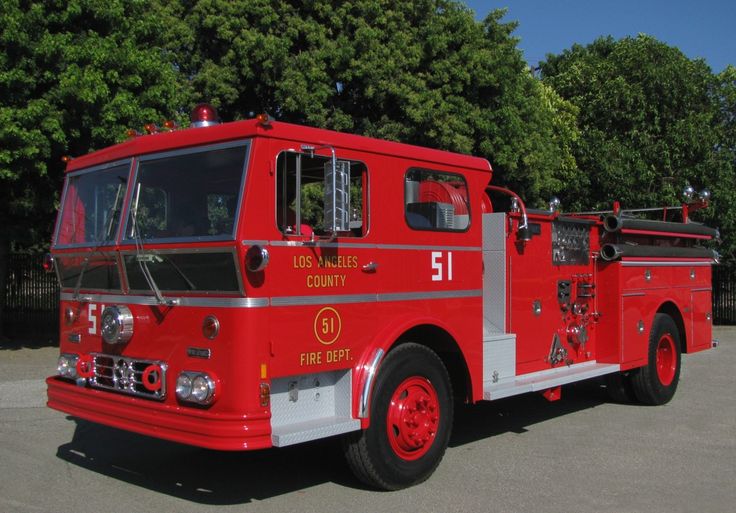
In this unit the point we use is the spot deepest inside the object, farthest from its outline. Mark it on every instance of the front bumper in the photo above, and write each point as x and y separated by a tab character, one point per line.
224	432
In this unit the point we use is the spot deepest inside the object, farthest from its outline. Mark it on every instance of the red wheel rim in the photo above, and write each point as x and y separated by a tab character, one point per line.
666	359
413	418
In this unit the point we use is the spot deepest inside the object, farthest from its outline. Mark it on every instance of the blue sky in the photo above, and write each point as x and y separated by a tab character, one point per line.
703	28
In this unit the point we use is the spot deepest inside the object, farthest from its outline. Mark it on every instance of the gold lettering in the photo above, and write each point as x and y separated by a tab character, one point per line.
338	262
330	356
311	358
324	281
302	262
337	355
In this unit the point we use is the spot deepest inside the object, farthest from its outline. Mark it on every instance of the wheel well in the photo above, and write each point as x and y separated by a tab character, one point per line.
671	309
442	343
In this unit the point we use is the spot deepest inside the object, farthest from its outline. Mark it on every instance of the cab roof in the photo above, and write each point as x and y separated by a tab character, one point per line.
184	138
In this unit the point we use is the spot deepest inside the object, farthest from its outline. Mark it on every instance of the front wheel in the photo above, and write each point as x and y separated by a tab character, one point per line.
411	417
656	382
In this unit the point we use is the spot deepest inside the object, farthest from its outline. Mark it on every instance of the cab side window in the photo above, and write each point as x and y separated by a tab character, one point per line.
300	194
436	200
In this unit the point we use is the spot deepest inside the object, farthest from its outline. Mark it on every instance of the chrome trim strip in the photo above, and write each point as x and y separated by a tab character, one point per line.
194	149
211	302
260	302
368	385
326	299
101	167
369	298
709	289
639	263
442	294
428	248
358	245
633	294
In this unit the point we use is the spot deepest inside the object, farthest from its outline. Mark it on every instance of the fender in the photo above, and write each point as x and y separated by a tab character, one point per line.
673	302
370	360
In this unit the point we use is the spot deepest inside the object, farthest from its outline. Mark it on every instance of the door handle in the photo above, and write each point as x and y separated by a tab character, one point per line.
370	267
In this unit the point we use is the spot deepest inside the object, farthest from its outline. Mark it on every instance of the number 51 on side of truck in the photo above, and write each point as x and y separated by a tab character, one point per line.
258	284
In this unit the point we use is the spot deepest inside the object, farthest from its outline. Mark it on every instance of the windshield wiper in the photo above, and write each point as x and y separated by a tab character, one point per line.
160	257
142	258
102	237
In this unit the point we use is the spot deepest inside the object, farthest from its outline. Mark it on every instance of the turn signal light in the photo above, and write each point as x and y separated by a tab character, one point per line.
265	394
70	315
48	263
210	327
256	258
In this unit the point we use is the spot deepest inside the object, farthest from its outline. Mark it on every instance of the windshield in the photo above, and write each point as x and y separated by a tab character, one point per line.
89	271
190	195
180	271
93	200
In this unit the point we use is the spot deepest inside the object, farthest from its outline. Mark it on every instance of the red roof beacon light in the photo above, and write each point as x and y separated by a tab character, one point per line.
204	115
264	119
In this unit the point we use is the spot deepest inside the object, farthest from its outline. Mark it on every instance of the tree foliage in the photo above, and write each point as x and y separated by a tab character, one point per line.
73	76
651	121
632	119
424	72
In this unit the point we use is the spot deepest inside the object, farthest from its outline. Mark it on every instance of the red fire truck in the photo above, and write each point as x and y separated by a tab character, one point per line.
258	284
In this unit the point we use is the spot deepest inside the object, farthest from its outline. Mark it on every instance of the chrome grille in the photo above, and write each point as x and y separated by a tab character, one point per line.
142	378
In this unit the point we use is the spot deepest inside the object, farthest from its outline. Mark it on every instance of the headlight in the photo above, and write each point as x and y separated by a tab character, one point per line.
183	387
117	324
67	365
195	387
203	388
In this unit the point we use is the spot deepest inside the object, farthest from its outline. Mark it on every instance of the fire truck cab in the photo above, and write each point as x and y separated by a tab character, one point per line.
254	284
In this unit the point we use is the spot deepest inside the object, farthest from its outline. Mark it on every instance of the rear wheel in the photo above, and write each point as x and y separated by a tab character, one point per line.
656	382
411	416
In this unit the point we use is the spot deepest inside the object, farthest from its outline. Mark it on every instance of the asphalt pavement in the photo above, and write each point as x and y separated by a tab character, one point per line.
580	454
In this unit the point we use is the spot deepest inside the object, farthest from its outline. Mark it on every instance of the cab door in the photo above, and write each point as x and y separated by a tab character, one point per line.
325	290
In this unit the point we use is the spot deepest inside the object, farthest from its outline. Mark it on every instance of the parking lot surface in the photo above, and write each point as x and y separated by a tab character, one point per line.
582	453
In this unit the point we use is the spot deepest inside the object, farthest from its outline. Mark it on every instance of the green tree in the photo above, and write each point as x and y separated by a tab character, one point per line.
73	76
651	121
424	72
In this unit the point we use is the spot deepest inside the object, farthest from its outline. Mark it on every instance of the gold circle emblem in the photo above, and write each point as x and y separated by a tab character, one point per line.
327	326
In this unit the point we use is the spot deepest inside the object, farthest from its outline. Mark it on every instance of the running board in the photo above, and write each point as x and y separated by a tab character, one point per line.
542	380
312	430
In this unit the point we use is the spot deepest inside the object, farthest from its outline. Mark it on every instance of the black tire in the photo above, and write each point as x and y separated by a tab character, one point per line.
387	455
656	382
619	388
